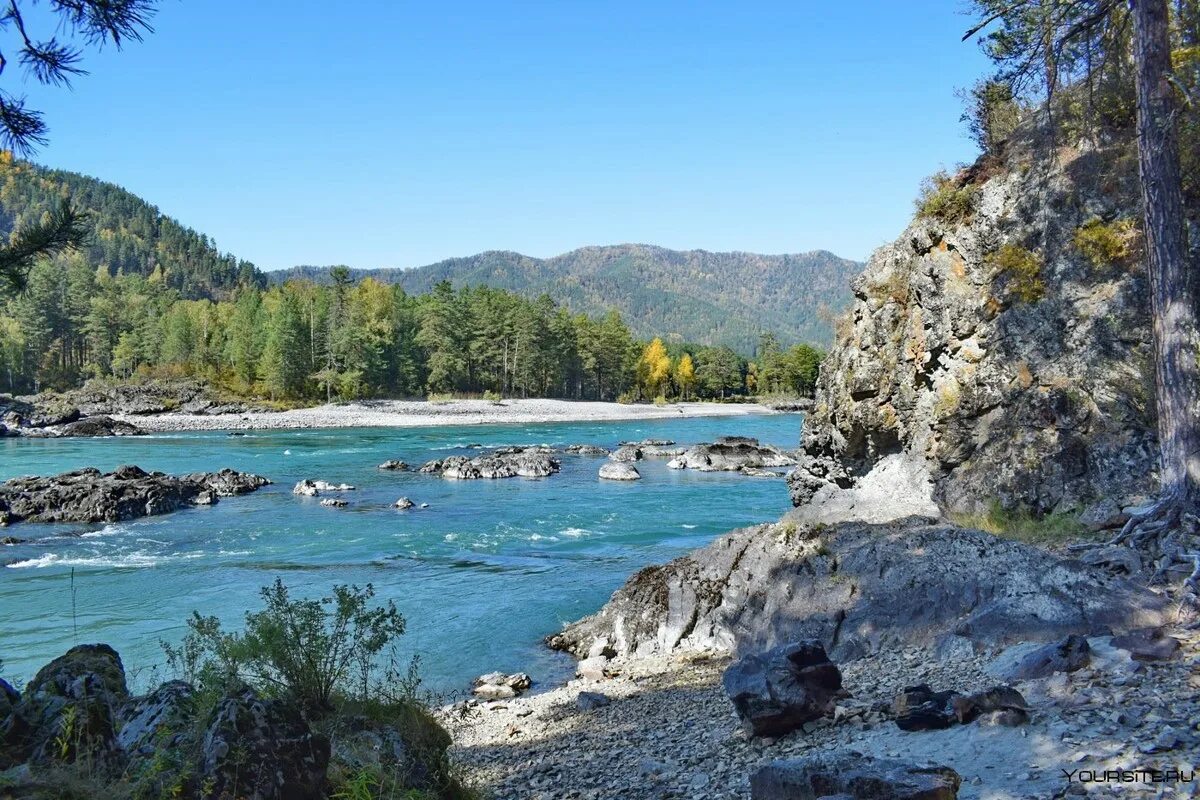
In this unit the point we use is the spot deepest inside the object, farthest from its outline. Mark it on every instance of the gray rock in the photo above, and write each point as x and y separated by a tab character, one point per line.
501	686
306	488
334	502
587	450
1004	705
1115	558
586	701
1029	661
859	588
98	426
777	691
263	749
1148	644
128	492
592	668
509	463
853	775
394	465
919	708
732	453
404	503
1103	514
154	722
619	471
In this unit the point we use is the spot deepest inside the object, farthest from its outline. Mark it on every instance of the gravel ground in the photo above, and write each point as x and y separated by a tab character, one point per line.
669	731
421	413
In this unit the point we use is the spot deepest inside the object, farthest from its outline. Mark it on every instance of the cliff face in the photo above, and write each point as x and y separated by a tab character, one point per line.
1007	346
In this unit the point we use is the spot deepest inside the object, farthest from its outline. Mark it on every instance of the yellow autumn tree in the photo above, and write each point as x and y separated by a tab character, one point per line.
685	375
654	369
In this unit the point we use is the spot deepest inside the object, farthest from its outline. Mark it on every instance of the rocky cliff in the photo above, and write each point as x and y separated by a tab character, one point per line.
1002	340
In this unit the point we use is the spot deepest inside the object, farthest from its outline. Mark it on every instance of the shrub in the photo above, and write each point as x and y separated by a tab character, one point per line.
660	401
1024	270
1105	243
943	197
627	397
308	648
440	398
1023	525
495	398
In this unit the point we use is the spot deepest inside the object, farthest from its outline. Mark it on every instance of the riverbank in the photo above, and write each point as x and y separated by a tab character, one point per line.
422	413
668	729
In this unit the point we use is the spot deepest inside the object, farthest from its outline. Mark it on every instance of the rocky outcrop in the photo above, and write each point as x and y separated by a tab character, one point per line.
776	692
128	492
509	463
1013	365
730	454
499	686
858	588
261	748
647	448
852	776
50	416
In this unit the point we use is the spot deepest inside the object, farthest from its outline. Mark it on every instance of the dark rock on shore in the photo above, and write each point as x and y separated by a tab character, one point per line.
858	588
730	454
854	776
1069	655
919	708
778	691
50	416
87	495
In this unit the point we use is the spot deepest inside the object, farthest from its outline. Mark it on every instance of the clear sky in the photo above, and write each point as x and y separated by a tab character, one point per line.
392	133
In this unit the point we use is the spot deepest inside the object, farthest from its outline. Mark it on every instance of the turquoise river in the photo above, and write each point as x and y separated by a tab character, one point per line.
482	575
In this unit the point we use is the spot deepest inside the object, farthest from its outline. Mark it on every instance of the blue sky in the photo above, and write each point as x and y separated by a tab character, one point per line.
378	133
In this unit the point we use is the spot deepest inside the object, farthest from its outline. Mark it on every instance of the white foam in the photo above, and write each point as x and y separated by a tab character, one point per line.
128	561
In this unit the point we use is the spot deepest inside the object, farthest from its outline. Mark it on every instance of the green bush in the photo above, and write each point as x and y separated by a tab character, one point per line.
1106	243
943	198
1024	526
440	398
1024	270
309	649
495	398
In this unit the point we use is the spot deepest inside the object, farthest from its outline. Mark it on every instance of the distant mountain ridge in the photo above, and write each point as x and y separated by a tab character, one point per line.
693	295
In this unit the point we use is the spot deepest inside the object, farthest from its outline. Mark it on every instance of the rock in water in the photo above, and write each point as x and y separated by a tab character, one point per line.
306	488
394	465
87	495
525	462
732	453
855	776
404	504
334	502
859	588
778	691
263	749
619	471
499	686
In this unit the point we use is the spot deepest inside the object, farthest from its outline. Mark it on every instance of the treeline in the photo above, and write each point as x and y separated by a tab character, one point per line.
129	235
344	340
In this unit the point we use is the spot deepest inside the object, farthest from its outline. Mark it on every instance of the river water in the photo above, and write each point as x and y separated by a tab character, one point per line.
484	573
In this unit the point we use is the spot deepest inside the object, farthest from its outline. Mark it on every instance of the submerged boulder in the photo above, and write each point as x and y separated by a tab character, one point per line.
619	471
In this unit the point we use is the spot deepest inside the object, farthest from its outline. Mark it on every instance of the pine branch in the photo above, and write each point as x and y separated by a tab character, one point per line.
67	228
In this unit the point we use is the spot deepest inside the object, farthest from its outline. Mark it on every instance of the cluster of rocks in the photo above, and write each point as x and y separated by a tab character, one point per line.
500	686
525	462
647	448
128	492
663	731
313	488
78	710
394	465
48	418
734	454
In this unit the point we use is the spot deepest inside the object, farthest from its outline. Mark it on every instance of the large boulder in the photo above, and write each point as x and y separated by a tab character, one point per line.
1029	661
859	588
854	776
128	492
524	462
68	712
778	691
99	426
261	749
619	471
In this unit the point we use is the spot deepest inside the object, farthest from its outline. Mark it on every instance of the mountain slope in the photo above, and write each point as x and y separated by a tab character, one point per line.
694	295
130	235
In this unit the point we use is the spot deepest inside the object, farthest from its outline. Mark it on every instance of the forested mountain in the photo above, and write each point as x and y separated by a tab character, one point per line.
130	236
694	295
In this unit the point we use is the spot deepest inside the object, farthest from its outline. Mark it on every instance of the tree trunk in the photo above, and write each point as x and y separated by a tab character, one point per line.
1172	290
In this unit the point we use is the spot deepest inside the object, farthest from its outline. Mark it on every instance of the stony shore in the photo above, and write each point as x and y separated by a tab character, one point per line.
421	413
669	731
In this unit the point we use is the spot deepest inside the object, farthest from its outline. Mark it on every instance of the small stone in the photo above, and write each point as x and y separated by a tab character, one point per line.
586	701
